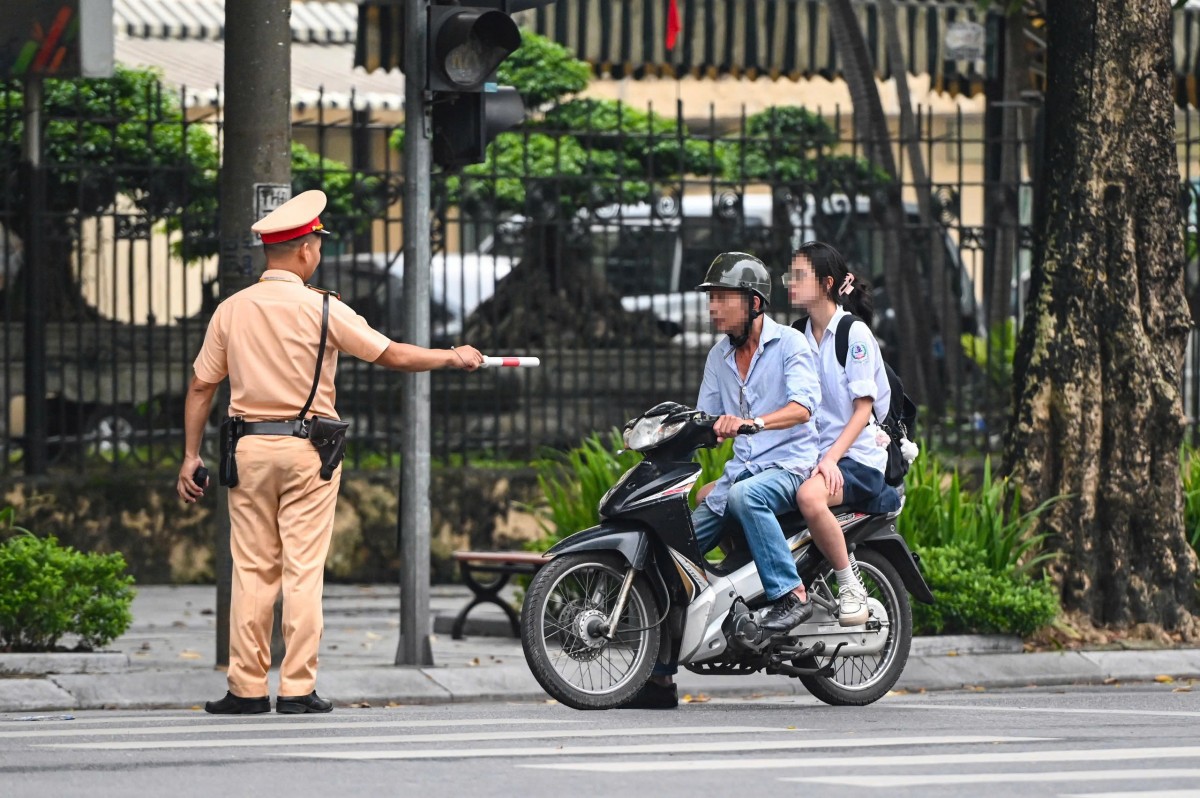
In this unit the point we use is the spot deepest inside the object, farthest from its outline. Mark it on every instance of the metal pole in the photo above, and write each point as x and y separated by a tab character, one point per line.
256	153
35	285
414	648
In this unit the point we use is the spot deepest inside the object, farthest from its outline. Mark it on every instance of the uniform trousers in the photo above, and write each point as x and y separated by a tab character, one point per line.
281	520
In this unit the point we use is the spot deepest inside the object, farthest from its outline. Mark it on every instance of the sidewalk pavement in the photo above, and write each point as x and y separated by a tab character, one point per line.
167	660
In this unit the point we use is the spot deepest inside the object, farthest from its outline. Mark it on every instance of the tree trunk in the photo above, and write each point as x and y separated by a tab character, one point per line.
1098	369
900	272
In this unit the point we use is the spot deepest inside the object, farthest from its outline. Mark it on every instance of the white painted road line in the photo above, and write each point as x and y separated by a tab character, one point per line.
939	779
1042	710
1138	794
723	747
762	763
285	723
57	721
426	739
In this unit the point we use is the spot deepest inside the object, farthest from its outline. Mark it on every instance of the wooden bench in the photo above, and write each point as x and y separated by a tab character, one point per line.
502	565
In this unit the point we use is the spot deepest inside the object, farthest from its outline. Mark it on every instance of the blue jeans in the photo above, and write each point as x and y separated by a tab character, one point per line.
754	501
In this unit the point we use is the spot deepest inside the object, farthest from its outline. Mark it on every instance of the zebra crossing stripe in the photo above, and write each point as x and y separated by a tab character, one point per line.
943	779
398	739
204	723
761	763
722	747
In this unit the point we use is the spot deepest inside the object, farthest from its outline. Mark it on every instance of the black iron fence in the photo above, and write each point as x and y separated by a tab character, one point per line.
579	242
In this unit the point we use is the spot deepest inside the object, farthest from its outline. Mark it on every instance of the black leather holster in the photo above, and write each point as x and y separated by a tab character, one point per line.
328	437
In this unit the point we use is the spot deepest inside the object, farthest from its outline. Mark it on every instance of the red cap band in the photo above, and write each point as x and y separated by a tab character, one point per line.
287	235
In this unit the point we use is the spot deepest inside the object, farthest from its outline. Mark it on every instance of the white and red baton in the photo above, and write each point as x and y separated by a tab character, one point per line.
511	362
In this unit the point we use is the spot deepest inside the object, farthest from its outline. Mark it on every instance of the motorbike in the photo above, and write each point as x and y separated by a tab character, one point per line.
636	589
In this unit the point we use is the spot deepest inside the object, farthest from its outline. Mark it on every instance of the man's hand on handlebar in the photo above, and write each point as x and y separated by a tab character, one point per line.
731	426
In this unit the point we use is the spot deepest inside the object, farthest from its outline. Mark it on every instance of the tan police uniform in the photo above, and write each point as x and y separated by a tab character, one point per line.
265	338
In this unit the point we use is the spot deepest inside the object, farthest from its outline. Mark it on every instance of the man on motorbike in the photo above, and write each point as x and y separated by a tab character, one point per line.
764	375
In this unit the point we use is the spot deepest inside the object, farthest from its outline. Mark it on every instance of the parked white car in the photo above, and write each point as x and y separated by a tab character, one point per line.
373	284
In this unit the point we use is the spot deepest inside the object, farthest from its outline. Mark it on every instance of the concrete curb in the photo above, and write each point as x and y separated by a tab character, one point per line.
66	662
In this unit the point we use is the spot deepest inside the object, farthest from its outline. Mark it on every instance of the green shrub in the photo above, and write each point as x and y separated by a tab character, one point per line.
573	483
48	591
939	511
1189	468
972	598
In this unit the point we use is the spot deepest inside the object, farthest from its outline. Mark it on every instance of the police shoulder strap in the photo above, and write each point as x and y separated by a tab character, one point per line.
320	353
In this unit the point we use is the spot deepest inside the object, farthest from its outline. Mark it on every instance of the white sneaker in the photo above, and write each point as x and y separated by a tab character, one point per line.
852	606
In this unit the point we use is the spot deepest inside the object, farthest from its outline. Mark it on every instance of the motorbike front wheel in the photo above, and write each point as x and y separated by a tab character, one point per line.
566	606
863	679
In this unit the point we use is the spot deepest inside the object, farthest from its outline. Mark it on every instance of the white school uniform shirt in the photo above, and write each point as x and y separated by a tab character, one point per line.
862	376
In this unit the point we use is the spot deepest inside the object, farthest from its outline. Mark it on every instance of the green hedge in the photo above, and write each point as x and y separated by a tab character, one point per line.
48	591
971	598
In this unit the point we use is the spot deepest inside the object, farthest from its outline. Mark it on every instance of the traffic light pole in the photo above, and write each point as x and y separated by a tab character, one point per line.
414	522
36	420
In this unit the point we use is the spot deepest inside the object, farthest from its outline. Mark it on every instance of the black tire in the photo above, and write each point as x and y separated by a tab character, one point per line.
575	585
862	680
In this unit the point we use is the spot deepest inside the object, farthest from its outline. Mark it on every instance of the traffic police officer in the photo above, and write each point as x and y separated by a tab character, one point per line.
265	339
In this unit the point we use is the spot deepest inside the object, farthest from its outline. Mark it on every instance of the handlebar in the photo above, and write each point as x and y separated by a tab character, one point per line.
704	419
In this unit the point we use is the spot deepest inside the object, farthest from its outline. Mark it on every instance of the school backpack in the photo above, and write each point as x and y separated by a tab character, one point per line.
901	417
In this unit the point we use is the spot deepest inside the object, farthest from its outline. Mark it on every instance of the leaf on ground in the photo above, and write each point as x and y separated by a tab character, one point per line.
1112	680
187	653
699	698
952	653
361	705
373	636
1162	678
1187	689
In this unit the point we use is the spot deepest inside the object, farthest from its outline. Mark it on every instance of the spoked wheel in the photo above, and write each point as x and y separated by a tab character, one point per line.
863	679
563	635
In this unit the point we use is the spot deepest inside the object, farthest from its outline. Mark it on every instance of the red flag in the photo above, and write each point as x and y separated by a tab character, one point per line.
673	26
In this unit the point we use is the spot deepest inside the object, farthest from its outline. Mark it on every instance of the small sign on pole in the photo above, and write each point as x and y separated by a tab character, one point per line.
965	41
269	196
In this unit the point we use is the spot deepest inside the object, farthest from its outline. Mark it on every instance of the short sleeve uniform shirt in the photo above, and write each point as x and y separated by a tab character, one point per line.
265	338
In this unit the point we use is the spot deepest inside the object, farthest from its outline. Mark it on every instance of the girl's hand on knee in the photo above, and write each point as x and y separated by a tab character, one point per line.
832	474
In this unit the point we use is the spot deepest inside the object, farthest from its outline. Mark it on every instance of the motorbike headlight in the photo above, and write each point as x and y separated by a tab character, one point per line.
650	432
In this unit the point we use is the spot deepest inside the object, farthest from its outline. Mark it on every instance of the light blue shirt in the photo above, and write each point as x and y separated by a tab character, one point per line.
783	369
862	376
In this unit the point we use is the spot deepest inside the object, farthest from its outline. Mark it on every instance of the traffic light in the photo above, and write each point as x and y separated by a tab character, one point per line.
466	45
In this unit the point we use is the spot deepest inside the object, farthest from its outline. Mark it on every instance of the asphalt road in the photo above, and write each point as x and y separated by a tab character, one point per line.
1116	740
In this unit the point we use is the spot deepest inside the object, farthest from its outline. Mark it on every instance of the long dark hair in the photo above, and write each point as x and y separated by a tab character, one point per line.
828	262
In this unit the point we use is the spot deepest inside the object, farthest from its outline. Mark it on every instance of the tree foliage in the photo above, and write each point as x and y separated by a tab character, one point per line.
127	138
792	145
543	71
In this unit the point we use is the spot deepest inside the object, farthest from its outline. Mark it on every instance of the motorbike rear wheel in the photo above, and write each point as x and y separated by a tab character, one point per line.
568	654
861	680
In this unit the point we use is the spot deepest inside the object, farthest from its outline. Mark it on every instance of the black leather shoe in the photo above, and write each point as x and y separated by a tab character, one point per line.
236	705
786	613
653	696
298	705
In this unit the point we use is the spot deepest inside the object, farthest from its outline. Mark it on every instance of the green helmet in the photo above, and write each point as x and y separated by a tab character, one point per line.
739	270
